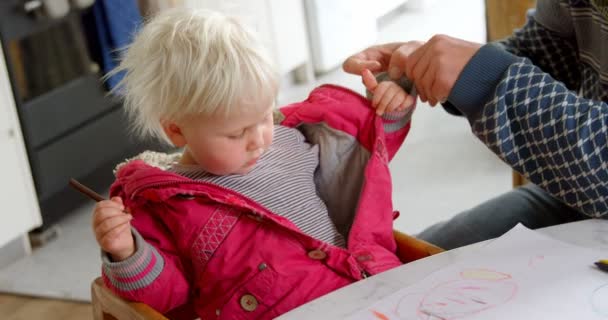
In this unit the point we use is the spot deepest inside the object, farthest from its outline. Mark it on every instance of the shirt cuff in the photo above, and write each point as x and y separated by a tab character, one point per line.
137	271
479	78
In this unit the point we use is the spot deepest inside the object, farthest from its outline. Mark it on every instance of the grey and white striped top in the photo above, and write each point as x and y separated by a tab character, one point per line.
283	182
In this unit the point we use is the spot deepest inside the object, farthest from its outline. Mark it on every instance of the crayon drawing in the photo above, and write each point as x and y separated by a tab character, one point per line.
525	275
379	315
477	290
599	300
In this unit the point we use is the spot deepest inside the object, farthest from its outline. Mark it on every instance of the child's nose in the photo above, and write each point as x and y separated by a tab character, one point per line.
257	139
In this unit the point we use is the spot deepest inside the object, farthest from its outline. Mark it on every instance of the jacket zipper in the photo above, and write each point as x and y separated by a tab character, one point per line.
364	274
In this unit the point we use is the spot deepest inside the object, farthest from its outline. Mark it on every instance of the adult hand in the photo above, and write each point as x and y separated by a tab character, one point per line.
385	57
436	65
381	58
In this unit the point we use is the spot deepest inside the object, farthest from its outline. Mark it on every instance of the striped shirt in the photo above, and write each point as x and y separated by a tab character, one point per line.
283	182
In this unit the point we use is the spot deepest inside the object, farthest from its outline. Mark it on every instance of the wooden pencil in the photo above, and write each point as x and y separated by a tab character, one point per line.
86	191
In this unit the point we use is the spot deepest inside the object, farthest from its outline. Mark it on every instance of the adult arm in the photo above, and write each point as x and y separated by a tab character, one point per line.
548	40
533	122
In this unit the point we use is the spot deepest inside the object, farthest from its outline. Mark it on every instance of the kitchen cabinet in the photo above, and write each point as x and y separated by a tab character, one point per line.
20	212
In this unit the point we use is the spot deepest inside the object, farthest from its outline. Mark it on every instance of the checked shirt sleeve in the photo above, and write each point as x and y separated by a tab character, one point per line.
548	41
556	138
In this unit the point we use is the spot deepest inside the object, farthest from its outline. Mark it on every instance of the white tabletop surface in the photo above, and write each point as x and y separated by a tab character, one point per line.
343	302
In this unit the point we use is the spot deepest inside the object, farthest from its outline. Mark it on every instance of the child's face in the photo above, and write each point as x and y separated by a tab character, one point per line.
225	146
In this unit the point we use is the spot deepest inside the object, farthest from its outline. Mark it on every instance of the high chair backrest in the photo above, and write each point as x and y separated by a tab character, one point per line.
107	305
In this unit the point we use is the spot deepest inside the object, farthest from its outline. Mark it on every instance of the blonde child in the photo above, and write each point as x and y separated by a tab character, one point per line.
264	209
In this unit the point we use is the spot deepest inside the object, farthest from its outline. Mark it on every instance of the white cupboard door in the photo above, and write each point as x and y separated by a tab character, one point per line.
279	24
339	28
19	211
288	26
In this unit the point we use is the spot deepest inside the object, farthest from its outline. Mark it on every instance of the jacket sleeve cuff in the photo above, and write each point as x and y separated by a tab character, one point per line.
137	271
479	79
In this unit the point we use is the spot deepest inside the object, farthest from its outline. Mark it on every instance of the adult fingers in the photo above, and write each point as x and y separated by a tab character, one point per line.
415	63
375	58
413	58
441	91
426	83
356	65
399	58
449	57
419	67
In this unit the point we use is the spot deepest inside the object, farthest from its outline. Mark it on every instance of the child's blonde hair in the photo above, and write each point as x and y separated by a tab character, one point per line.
186	62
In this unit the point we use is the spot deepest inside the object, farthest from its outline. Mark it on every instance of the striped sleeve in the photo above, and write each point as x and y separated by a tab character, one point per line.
153	275
136	272
396	120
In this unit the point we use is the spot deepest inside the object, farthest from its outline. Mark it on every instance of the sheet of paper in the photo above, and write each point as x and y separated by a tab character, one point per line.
521	275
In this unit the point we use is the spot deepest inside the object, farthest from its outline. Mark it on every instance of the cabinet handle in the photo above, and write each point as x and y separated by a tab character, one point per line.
11	133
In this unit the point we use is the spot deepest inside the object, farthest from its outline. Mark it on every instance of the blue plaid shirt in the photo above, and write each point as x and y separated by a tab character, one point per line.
546	114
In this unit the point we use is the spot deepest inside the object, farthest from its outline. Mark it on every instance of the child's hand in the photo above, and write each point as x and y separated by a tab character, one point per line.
112	229
387	95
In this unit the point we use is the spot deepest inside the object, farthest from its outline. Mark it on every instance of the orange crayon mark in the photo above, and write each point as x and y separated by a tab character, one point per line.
380	315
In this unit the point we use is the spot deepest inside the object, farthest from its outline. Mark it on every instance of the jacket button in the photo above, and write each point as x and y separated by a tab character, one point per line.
317	254
249	302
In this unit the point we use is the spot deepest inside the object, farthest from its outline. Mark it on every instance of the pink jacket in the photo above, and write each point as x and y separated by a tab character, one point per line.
228	257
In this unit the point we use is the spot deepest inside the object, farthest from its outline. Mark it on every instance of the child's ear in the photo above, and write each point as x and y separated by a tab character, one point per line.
174	132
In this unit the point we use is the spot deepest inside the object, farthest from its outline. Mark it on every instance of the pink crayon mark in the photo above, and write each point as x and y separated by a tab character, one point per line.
535	260
455	300
431	315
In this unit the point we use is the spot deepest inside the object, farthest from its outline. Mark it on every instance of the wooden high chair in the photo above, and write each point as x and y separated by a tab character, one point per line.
108	306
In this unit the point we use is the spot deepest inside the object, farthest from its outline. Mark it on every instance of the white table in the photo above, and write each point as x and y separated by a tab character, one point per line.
343	302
